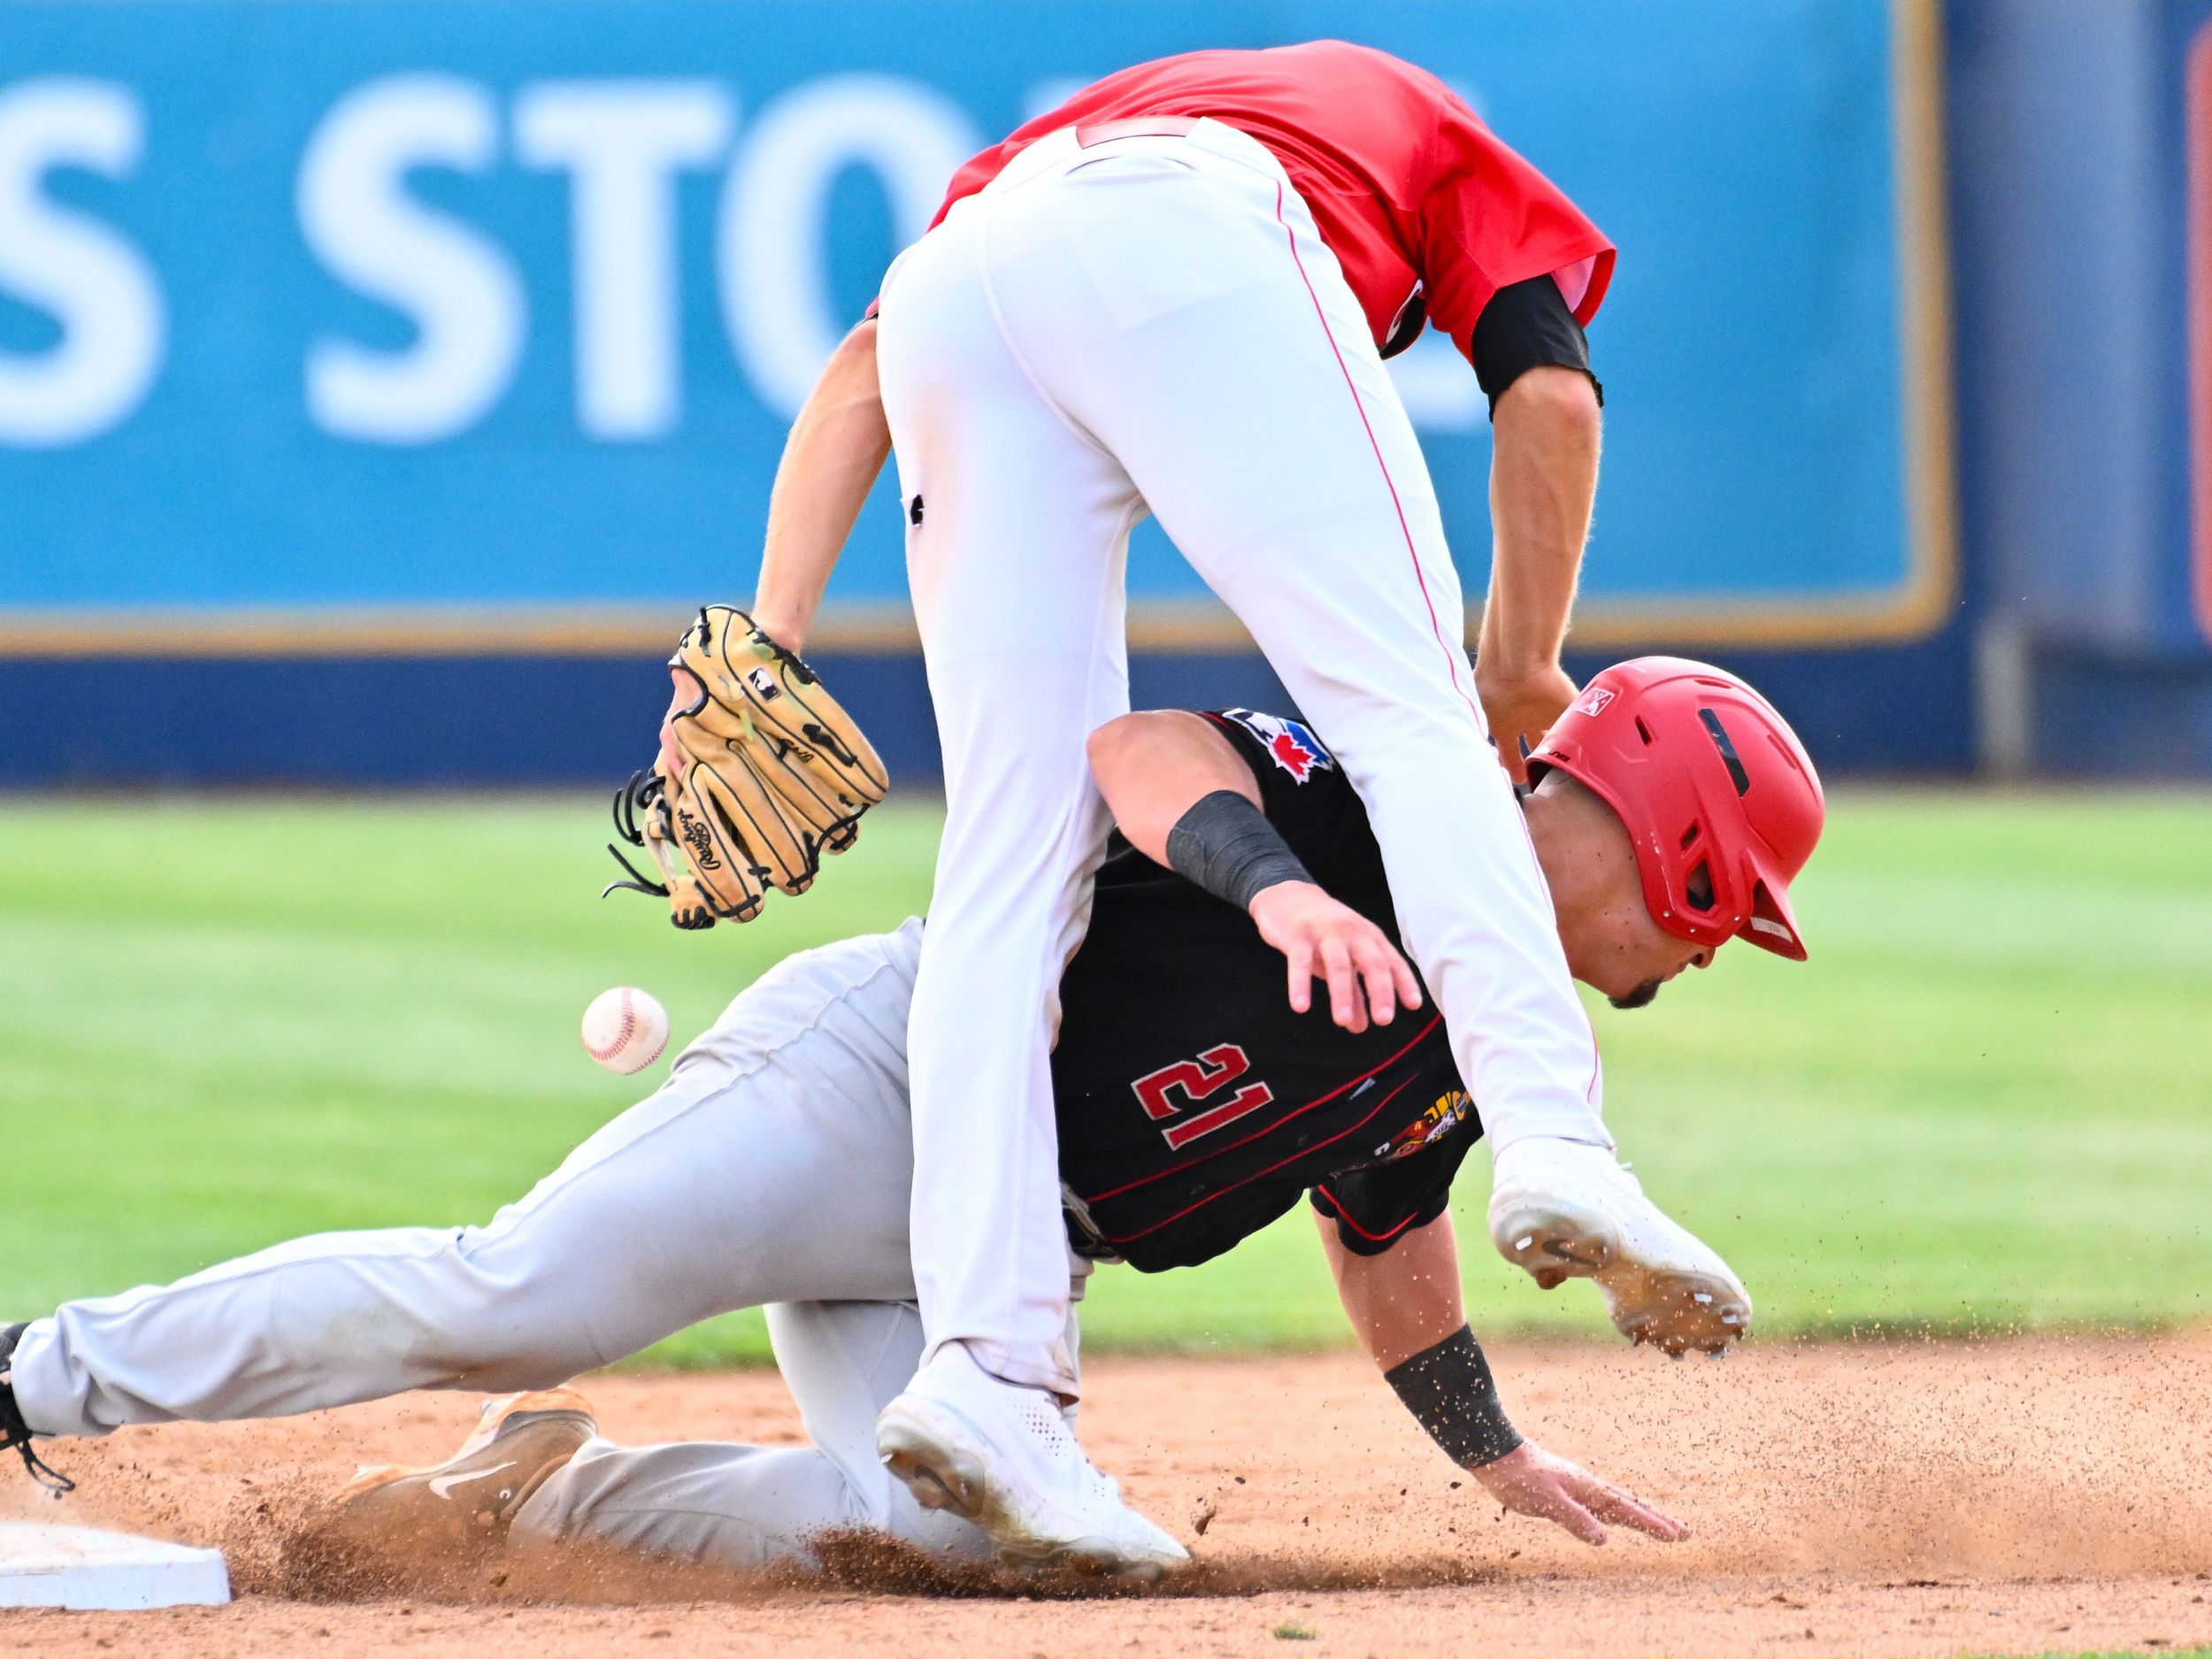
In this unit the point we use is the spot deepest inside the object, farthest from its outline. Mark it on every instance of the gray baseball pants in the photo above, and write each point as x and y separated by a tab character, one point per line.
773	1168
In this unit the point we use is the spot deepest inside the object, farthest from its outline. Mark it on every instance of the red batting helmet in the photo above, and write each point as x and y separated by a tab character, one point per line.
1710	782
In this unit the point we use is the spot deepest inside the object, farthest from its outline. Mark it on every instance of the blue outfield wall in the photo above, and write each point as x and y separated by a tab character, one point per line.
492	721
332	307
371	369
2078	131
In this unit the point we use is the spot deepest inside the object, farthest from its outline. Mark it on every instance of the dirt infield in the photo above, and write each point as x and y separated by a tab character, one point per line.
1913	1500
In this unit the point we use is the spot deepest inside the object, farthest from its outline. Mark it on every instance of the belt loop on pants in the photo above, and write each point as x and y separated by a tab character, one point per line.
1062	148
1134	126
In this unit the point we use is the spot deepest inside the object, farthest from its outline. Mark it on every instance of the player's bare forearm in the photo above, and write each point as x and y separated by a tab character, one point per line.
1154	766
1404	1301
830	462
1543	480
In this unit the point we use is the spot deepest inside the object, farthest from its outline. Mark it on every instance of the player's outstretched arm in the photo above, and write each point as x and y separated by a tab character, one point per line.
1543	479
1405	1305
1405	1300
1186	799
830	462
835	449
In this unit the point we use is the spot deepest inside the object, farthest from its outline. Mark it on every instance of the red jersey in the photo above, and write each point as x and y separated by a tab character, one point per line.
1426	210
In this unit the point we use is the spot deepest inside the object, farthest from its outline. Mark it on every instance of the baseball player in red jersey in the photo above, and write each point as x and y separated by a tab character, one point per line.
1174	294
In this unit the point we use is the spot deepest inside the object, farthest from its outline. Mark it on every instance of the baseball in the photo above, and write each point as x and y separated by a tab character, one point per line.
626	1029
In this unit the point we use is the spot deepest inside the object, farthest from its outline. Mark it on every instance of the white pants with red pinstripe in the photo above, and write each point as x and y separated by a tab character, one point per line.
1152	324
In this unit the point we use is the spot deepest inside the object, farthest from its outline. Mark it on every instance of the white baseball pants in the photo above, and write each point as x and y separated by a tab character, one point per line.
772	1167
1153	324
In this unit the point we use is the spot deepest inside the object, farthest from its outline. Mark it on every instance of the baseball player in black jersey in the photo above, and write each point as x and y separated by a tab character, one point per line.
1196	1102
1201	1092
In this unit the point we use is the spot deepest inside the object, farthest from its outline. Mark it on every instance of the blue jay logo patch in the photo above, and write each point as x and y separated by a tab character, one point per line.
1290	744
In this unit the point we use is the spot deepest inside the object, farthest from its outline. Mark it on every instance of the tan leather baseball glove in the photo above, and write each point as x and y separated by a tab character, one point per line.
774	773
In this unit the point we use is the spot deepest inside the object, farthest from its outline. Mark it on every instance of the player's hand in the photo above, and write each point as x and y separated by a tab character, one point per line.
1322	939
1521	710
682	697
1529	1480
787	631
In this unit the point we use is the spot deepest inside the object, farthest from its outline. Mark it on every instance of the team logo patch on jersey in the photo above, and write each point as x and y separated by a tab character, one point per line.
1594	703
1430	1126
1291	744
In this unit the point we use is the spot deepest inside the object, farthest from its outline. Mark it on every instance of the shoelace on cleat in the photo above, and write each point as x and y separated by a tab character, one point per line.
15	1436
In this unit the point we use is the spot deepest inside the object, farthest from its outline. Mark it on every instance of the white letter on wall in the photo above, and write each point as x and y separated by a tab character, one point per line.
458	288
97	287
622	142
775	292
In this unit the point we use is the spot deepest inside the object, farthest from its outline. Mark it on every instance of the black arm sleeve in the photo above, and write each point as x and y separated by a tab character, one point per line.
1449	1390
1226	845
1527	325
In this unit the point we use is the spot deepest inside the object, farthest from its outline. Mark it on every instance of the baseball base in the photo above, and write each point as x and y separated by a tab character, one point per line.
80	1567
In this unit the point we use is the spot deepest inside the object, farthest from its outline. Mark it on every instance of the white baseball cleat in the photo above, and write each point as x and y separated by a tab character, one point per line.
1002	1456
1564	1210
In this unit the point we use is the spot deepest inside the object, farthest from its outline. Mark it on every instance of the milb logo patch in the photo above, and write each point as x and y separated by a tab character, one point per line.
1449	1111
1291	744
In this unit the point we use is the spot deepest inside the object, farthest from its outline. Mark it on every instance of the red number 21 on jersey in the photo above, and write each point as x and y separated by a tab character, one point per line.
1199	1079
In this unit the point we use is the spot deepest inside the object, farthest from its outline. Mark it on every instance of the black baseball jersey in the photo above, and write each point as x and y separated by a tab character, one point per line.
1194	1106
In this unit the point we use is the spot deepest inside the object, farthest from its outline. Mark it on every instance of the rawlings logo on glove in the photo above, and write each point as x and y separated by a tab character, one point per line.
774	775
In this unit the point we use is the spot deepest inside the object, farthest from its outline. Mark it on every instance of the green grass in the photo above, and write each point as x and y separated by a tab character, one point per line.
1986	1102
